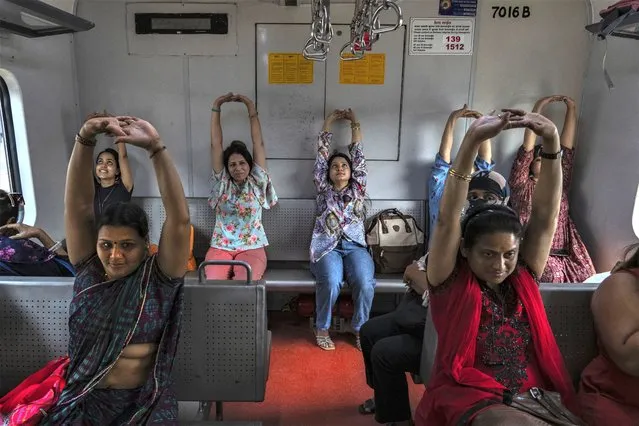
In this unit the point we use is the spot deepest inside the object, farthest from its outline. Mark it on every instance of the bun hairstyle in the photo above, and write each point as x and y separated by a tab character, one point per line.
237	147
483	219
9	207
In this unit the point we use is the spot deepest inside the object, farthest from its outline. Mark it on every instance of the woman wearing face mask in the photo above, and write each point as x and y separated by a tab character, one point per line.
113	177
126	308
338	246
569	261
494	340
240	189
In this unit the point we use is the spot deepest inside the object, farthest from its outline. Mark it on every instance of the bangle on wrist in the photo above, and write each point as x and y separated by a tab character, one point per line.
85	141
215	109
55	247
162	148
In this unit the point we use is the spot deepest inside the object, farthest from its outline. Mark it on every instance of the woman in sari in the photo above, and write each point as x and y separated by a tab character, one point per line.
125	314
494	340
608	392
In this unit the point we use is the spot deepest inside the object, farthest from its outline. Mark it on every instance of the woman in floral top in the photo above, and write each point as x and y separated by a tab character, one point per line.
240	189
569	261
338	248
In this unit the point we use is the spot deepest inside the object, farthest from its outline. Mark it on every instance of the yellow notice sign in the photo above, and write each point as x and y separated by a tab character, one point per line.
368	70
289	68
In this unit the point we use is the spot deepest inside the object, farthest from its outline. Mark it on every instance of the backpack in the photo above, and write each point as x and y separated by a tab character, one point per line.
394	240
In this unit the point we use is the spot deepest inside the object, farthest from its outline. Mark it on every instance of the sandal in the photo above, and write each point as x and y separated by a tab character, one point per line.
325	342
368	407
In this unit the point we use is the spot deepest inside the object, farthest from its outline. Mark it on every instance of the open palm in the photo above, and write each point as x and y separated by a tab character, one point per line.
138	132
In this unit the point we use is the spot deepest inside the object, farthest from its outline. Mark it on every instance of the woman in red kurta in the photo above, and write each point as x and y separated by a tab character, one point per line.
569	261
494	339
609	391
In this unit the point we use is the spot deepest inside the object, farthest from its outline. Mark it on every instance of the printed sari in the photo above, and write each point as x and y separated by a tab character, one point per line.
105	316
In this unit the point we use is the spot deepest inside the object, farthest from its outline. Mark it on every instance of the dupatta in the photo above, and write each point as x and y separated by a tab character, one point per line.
456	386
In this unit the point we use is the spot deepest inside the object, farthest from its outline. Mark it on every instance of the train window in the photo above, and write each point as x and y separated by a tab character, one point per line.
9	173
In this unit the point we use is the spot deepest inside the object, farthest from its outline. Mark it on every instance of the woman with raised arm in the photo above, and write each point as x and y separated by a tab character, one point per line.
113	177
240	189
569	261
338	246
440	169
126	308
495	344
608	394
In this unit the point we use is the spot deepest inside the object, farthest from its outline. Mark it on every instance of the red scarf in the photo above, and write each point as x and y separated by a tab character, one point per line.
456	386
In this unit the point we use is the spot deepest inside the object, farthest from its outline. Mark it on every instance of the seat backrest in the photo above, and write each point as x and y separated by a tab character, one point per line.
288	225
568	310
34	314
570	316
223	351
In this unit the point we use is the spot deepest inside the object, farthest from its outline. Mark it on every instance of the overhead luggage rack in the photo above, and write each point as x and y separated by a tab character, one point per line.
35	18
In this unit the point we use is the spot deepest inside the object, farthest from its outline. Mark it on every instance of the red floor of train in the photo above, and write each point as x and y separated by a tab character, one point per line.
308	386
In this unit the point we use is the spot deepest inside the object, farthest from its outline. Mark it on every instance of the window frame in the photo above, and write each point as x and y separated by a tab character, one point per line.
10	144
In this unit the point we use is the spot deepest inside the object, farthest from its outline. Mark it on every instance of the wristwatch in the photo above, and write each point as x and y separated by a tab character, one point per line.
552	156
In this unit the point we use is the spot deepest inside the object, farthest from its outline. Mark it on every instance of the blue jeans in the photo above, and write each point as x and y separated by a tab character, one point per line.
351	261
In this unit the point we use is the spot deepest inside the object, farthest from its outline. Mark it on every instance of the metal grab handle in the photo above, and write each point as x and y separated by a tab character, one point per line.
318	55
200	269
387	5
356	54
325	33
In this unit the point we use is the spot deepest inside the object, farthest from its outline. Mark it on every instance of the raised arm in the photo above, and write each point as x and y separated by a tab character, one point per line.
173	249
446	145
125	169
615	307
217	161
320	169
529	136
444	244
79	219
569	130
259	152
359	172
547	193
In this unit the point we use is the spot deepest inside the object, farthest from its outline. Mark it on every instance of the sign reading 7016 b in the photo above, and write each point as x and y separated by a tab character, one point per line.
511	12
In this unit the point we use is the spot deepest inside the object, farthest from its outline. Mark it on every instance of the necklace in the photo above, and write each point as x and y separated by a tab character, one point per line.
100	201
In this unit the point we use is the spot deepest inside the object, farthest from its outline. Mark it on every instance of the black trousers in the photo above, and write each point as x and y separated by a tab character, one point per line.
392	346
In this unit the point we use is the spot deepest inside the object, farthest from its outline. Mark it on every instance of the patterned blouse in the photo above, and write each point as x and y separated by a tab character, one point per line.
339	213
238	209
505	349
522	187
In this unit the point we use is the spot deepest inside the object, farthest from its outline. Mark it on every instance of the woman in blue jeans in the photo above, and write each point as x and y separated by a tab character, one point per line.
338	247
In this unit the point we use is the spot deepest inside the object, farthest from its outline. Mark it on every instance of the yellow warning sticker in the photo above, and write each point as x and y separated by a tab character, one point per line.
368	70
289	68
